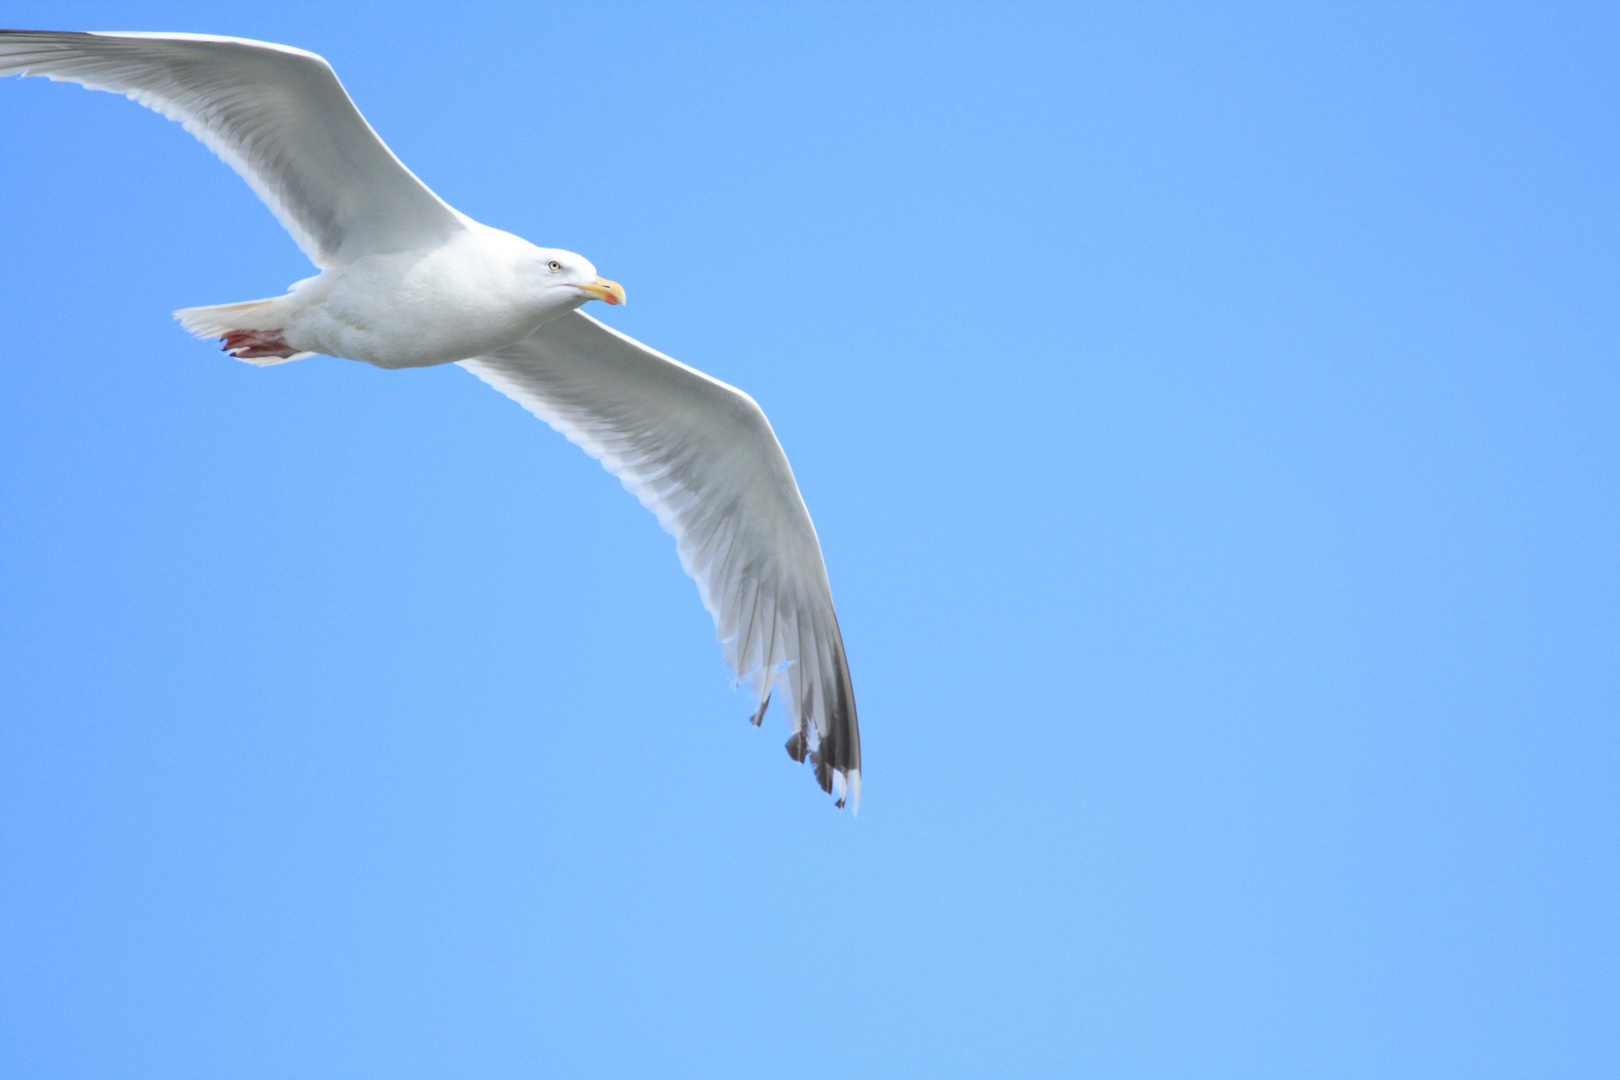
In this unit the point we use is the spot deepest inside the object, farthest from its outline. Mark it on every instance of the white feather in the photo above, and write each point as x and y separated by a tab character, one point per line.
701	456
277	115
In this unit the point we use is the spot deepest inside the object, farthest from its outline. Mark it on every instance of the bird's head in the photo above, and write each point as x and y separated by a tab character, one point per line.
574	273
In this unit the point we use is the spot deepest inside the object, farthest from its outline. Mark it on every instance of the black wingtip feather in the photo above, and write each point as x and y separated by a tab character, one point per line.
759	713
823	774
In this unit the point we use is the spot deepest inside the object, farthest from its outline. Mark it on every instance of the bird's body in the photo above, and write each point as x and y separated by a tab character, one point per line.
408	281
479	291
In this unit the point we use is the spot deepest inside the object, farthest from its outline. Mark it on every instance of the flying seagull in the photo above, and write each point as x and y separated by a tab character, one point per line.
408	281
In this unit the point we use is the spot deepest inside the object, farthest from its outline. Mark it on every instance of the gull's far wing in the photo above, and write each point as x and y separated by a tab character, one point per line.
275	114
701	455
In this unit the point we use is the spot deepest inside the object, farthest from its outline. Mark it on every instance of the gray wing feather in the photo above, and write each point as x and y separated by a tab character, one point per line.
701	456
275	114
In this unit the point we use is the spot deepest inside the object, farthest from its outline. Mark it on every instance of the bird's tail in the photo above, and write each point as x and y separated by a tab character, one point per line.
251	329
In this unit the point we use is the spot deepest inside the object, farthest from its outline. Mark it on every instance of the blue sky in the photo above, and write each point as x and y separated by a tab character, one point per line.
1210	420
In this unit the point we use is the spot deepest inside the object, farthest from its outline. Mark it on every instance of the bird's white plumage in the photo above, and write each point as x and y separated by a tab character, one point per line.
701	455
409	281
276	115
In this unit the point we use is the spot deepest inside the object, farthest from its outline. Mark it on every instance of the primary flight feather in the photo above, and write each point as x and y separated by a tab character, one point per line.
409	281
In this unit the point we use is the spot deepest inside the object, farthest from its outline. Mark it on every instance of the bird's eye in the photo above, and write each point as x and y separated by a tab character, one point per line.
555	265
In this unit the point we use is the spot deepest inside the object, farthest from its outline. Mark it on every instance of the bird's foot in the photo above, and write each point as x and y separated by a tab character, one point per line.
255	344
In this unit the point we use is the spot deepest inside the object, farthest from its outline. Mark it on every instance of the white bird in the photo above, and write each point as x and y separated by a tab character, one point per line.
408	281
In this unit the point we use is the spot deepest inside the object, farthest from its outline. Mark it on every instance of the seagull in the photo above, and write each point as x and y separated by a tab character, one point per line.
406	280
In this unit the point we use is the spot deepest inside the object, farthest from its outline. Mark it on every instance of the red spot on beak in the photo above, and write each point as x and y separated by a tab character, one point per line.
610	298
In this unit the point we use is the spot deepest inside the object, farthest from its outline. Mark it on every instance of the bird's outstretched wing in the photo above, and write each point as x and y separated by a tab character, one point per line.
276	115
701	455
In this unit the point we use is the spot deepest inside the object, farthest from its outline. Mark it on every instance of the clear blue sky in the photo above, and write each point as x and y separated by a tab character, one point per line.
1210	418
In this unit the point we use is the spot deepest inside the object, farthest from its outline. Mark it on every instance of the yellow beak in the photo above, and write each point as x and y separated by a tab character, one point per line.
603	289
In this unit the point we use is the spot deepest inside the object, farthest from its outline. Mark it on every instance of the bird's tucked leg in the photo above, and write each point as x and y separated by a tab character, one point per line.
255	344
